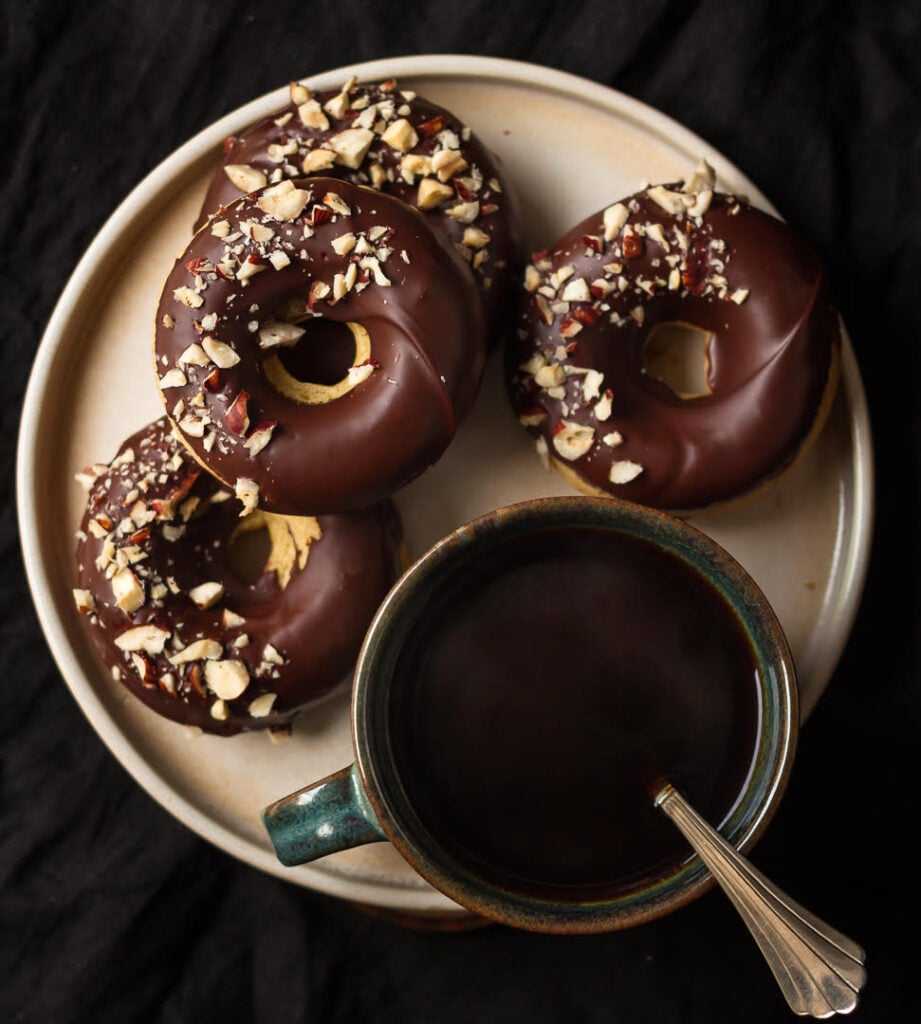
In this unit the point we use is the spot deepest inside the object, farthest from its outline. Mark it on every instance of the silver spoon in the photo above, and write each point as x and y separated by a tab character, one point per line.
819	970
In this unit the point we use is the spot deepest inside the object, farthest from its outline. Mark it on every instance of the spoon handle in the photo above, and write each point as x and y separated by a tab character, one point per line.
819	970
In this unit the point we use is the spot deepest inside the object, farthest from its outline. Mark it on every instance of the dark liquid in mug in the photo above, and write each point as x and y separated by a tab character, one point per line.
541	695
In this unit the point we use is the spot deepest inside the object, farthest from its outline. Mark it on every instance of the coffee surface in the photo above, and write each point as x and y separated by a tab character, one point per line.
546	689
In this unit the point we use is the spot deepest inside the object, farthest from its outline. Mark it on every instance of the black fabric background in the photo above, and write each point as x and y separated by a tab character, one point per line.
112	911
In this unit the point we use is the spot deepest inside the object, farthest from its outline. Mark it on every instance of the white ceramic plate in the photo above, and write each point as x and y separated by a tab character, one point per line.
571	146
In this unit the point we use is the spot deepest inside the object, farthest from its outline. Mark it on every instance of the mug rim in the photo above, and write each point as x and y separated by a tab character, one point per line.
760	793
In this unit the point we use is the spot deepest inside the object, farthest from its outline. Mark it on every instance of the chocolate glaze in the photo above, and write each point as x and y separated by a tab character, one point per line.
316	624
772	355
495	263
427	339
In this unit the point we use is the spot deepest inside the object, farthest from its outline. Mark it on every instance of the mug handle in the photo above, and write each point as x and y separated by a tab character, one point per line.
324	817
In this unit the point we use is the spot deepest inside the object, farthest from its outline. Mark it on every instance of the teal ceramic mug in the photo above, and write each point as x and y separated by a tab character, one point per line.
526	689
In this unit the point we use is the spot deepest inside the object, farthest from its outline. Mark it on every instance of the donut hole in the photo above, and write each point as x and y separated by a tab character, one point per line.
677	354
327	361
323	355
265	542
248	553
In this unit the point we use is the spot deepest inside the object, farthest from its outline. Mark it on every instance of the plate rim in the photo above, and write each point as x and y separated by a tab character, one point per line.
443	66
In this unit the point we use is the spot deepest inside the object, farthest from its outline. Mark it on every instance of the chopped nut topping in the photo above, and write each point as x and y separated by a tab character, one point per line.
220	711
128	591
174	378
572	440
278	333
200	650
244	177
150	639
337	204
614	218
283	201
261	706
188	297
247	491
400	135
432	193
311	114
207	594
259	438
226	679
475	238
318	160
220	354
550	376
624	471
351	145
299	93
194	355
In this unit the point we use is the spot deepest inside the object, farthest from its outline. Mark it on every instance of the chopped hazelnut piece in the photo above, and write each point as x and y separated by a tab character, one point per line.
219	710
475	238
261	706
351	145
279	333
624	471
207	594
84	601
344	244
283	201
259	438
573	440
400	135
226	679
199	650
299	93
244	177
149	639
249	268
465	213
448	162
550	376
128	591
272	656
174	378
194	355
188	297
311	114
220	354
318	160
247	491
337	204
577	290
614	218
702	180
701	205
432	193
591	386
672	202
338	106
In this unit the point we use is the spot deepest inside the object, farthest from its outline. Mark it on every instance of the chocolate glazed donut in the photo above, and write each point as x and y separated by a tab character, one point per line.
627	296
390	139
265	285
171	617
